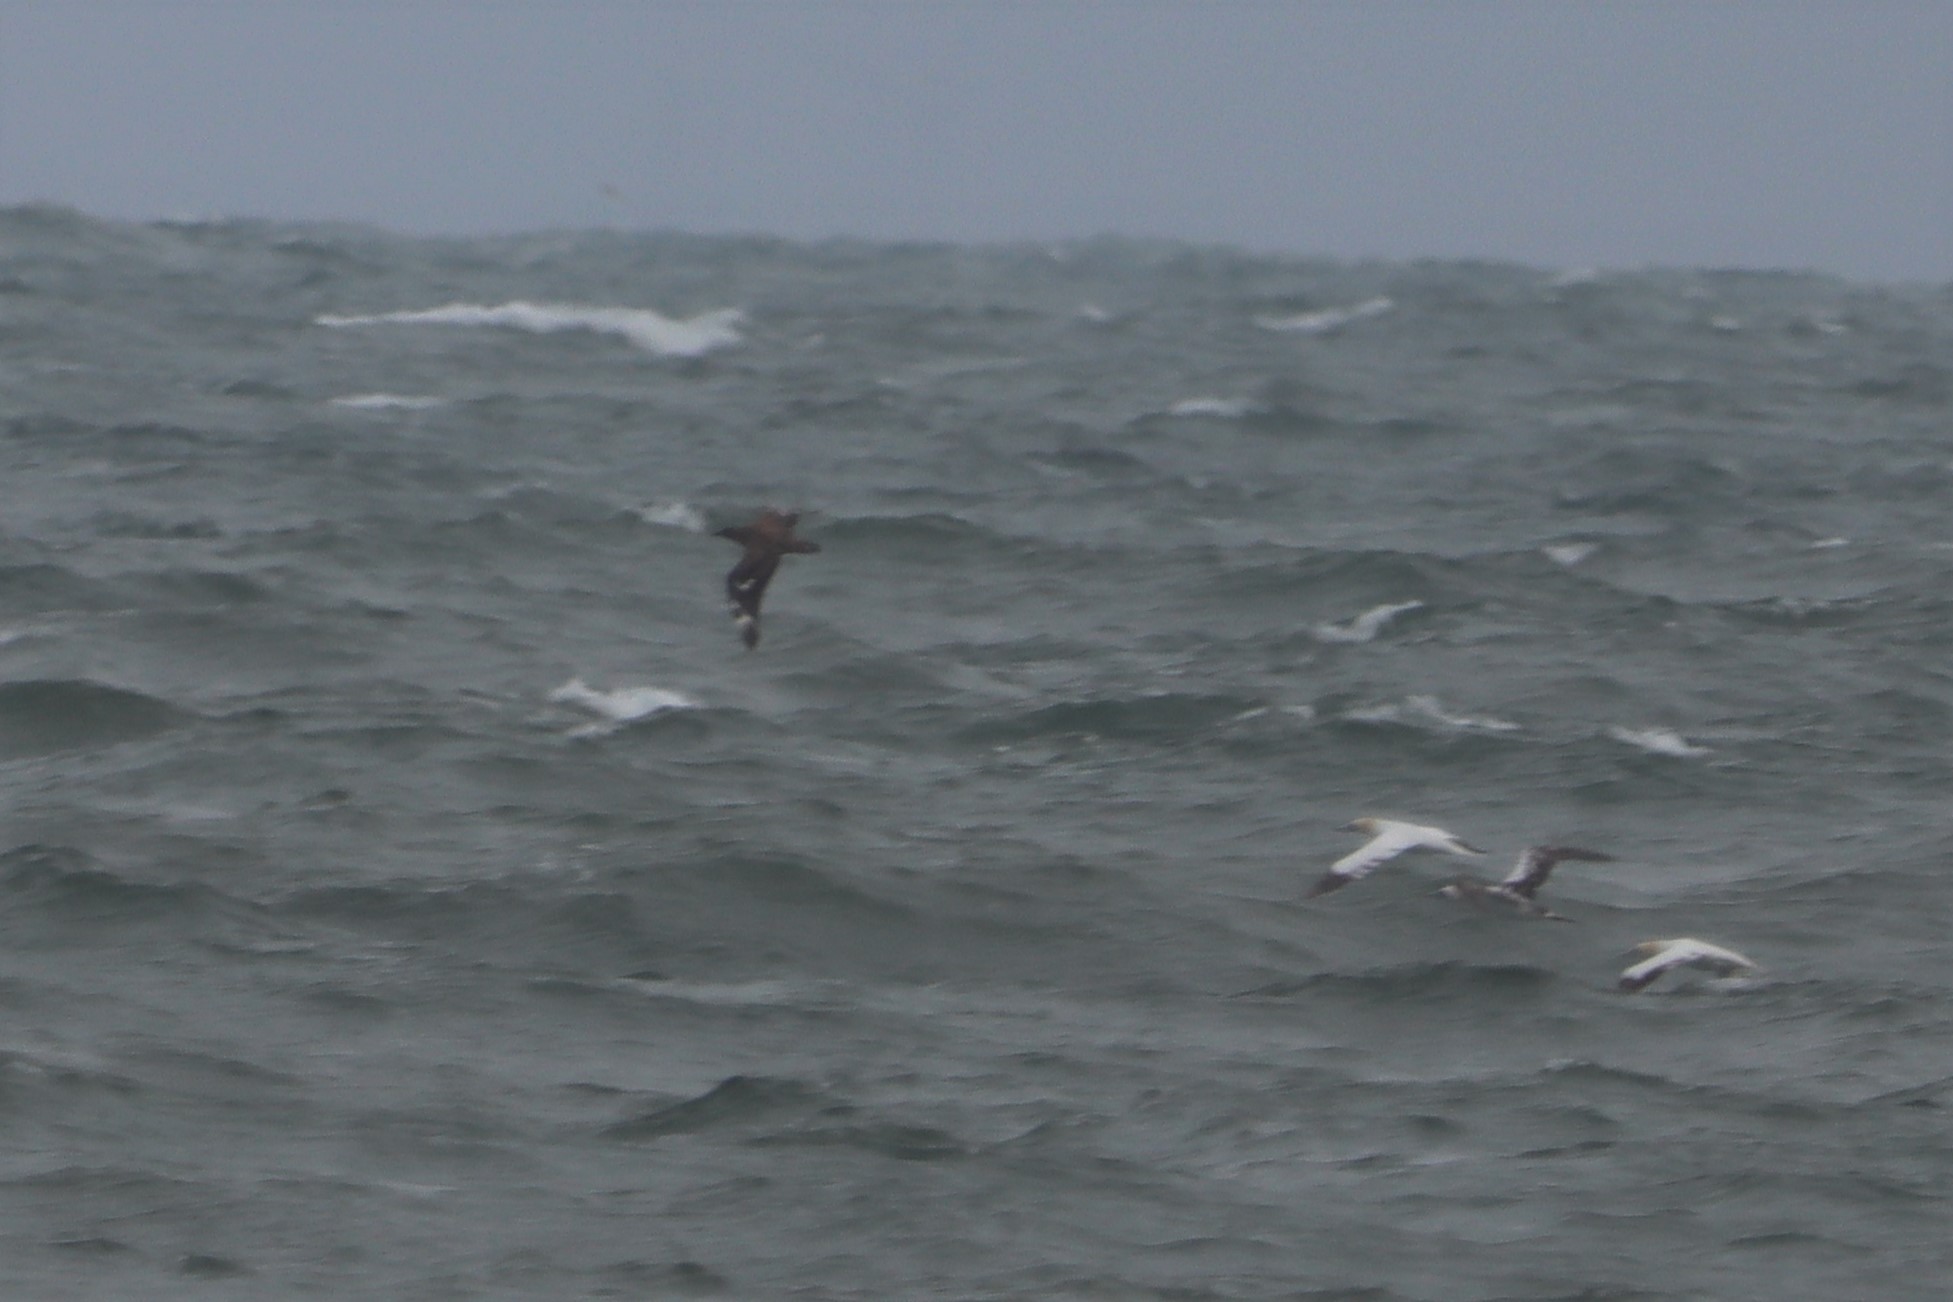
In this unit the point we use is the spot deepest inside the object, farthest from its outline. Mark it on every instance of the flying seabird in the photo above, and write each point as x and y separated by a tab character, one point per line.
1658	956
766	540
1516	891
1388	839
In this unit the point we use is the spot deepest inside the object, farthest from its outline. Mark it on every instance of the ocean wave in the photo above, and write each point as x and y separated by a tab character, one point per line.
736	1101
1421	711
1364	627
1658	741
651	331
73	885
1446	980
1328	319
673	515
1218	408
41	716
389	402
1155	717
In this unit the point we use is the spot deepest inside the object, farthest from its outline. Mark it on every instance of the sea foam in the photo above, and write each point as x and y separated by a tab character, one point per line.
389	402
1323	321
651	331
673	515
1366	626
1415	711
1658	741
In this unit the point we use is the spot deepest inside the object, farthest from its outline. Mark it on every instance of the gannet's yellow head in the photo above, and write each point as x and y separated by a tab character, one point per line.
1649	948
1367	826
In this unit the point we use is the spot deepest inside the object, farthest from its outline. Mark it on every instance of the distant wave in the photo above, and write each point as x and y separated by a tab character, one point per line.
1569	554
1325	320
651	331
1366	626
1658	741
41	716
1417	711
673	515
388	402
1223	408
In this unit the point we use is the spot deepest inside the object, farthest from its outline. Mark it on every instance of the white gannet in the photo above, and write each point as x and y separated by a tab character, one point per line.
1658	956
1388	839
1518	887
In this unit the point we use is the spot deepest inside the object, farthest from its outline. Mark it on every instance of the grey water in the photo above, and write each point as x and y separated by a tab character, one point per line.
410	889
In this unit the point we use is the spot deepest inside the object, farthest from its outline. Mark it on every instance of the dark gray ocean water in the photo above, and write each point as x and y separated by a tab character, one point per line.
410	889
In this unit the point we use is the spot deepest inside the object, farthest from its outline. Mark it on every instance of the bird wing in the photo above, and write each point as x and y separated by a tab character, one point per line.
1387	844
1536	865
1392	841
1638	976
1723	962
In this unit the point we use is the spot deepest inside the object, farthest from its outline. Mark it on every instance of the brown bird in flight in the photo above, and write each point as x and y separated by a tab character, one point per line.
766	540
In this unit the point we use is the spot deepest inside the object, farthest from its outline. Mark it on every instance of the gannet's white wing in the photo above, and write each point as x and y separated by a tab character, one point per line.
1684	951
1390	839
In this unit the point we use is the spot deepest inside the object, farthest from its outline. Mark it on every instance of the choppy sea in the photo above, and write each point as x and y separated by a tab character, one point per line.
410	889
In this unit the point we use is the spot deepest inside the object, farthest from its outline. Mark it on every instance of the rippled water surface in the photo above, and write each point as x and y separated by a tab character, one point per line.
410	889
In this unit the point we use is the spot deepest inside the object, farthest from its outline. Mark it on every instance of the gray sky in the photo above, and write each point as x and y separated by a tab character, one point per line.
1756	133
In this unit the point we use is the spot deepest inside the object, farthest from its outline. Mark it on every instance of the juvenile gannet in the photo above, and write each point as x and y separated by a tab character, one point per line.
1658	956
1519	886
1388	839
766	540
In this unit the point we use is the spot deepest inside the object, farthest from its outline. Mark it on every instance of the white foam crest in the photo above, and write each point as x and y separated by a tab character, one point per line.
620	706
673	515
762	993
1414	710
1327	319
1569	554
651	331
1225	408
389	402
1364	627
1658	741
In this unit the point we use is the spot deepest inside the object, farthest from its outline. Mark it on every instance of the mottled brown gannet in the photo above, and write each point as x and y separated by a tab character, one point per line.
1658	956
1517	889
766	540
1388	839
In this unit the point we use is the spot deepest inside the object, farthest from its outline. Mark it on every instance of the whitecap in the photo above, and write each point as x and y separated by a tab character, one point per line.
1364	627
1414	710
1327	319
1225	408
1569	554
1658	741
389	402
673	515
1826	544
620	706
651	331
